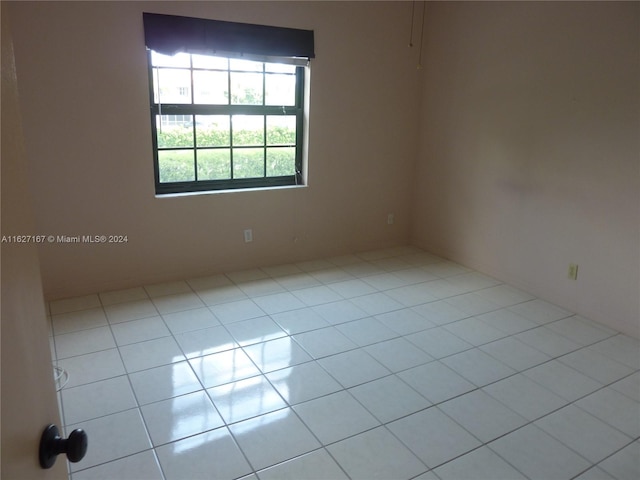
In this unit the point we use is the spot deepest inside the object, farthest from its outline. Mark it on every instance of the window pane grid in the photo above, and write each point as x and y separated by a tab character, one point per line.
276	133
261	149
170	81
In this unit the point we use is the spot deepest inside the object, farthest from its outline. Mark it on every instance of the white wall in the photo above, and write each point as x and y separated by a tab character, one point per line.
529	150
83	78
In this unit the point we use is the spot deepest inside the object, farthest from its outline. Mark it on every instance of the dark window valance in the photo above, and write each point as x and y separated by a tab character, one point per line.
169	34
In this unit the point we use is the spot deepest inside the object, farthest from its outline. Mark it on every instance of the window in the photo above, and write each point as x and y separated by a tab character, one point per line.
225	119
222	122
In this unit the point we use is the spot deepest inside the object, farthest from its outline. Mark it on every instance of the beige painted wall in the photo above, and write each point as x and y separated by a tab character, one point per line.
526	144
529	151
85	104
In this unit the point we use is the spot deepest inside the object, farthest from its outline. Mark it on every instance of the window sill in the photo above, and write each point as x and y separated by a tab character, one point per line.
231	190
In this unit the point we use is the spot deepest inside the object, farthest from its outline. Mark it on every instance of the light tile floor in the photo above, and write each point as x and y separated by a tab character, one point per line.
393	364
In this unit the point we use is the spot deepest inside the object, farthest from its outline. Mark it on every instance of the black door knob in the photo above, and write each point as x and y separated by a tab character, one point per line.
51	445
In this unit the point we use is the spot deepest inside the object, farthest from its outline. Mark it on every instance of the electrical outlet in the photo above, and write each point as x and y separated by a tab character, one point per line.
390	219
572	273
248	235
